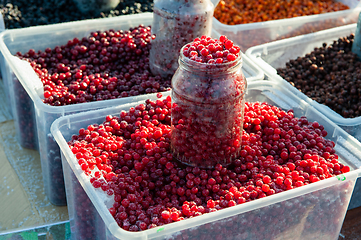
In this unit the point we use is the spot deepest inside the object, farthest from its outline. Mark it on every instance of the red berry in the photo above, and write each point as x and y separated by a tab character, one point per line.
166	214
222	38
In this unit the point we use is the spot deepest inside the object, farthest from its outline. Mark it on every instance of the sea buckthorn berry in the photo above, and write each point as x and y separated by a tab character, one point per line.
243	11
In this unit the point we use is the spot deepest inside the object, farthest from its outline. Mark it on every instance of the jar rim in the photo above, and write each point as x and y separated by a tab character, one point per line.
206	66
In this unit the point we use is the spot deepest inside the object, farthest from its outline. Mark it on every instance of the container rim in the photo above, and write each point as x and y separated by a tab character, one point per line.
65	25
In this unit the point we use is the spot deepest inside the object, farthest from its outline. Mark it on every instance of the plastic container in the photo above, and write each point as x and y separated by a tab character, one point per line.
176	23
85	221
357	39
26	91
25	88
315	211
252	34
96	6
3	65
274	55
212	95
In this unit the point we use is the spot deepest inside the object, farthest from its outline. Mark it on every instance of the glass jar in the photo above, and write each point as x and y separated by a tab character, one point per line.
176	23
207	112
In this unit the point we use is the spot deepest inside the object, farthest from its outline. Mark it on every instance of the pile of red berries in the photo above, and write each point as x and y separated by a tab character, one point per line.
211	51
128	156
105	65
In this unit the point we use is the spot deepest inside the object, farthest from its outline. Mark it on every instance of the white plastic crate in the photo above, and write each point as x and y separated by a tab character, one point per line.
32	117
315	211
252	34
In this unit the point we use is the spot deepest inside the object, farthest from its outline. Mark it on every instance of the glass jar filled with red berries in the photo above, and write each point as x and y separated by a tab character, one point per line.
208	91
176	23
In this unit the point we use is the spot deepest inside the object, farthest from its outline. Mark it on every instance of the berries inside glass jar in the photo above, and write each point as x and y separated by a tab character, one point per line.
207	103
105	65
212	51
128	156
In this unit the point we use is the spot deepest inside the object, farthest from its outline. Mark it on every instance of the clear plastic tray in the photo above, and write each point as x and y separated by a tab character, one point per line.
271	56
32	117
315	211
2	68
252	34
